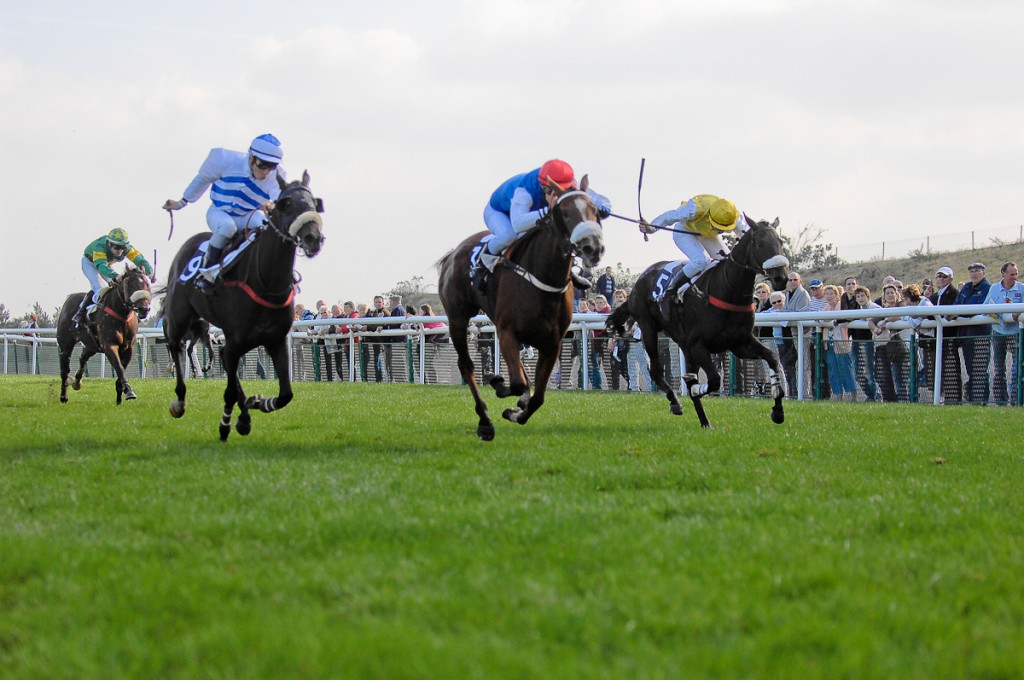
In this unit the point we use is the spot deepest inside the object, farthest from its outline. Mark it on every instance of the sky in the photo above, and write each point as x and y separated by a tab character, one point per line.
874	121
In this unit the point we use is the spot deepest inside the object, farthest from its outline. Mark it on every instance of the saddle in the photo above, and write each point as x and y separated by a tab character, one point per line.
235	247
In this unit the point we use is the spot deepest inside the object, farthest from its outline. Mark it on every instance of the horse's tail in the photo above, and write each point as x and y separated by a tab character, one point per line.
439	265
617	320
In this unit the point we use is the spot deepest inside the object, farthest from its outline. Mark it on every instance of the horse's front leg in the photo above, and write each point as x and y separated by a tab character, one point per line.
697	356
518	385
545	366
113	354
278	353
755	350
83	359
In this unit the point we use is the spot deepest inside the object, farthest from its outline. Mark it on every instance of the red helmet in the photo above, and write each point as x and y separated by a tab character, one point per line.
557	173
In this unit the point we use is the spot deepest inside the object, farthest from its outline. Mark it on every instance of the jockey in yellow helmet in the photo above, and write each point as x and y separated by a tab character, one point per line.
700	221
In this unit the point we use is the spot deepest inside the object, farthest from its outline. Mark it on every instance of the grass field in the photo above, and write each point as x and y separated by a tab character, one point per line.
365	532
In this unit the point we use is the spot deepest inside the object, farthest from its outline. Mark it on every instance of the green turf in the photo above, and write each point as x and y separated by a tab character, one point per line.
365	532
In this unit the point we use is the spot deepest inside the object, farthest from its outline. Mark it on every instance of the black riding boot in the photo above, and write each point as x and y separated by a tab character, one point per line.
579	282
79	318
211	258
671	291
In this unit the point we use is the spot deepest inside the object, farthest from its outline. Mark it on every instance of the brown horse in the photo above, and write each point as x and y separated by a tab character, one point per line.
721	319
252	306
113	332
529	299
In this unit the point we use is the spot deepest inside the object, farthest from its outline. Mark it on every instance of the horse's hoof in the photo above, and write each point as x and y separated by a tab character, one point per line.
485	432
225	430
77	385
177	409
243	426
129	393
494	380
510	414
778	416
677	409
63	398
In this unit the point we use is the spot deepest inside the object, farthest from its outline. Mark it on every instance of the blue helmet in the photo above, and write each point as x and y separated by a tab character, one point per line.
267	148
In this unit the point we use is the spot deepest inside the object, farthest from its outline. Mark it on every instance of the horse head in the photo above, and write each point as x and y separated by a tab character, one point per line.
296	215
761	250
575	215
134	289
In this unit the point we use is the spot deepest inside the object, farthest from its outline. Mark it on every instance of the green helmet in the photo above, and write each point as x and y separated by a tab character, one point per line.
118	237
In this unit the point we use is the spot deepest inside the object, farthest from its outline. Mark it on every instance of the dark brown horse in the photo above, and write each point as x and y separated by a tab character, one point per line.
529	299
720	319
252	306
113	332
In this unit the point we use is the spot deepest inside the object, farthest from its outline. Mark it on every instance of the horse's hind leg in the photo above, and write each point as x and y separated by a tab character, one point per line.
65	371
175	347
696	357
650	340
279	356
458	329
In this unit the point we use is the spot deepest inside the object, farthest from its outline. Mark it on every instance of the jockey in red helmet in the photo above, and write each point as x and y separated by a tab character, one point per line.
519	203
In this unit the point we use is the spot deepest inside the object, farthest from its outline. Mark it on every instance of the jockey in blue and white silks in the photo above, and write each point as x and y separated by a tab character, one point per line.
520	202
243	187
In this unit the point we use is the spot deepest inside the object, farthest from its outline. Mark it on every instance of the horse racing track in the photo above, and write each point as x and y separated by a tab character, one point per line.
365	532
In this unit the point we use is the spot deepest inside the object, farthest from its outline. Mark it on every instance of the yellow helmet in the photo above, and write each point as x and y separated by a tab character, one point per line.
723	215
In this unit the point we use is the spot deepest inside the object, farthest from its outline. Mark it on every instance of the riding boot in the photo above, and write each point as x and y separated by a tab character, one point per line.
79	318
679	279
484	265
578	281
210	270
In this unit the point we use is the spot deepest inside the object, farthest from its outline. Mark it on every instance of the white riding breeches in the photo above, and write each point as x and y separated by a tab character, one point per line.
500	225
224	226
700	249
96	282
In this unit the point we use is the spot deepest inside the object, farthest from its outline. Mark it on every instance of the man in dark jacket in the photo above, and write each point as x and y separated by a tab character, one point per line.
974	340
946	293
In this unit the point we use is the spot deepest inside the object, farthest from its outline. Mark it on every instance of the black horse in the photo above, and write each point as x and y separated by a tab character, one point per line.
253	305
113	332
719	318
529	299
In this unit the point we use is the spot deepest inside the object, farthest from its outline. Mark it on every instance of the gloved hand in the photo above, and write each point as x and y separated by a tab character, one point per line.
604	211
113	280
647	228
171	204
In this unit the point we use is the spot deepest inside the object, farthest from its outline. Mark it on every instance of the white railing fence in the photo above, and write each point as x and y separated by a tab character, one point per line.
377	351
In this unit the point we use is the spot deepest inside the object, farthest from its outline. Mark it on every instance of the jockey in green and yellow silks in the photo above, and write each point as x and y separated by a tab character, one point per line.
99	255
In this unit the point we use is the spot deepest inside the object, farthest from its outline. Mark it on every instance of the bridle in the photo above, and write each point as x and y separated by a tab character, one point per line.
136	301
280	230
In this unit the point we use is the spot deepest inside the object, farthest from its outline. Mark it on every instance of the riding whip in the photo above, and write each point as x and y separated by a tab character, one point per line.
639	186
171	214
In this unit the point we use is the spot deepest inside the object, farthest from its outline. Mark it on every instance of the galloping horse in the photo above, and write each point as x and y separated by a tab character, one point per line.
113	333
529	299
721	319
253	305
